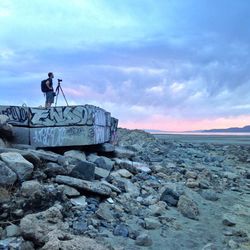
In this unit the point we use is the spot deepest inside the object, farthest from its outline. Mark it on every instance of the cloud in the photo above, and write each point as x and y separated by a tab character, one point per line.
146	62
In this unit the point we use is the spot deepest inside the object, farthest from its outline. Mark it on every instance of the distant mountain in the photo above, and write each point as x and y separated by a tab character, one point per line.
234	129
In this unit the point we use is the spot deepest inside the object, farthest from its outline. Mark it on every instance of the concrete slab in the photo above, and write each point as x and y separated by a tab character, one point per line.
61	126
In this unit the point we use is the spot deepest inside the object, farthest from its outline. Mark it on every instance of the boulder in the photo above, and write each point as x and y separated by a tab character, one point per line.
151	223
122	153
52	169
124	173
46	155
107	148
133	167
15	243
83	170
101	173
68	191
95	187
188	207
37	226
170	194
121	230
75	154
18	164
32	187
79	201
104	212
101	161
59	240
12	231
209	195
7	176
5	128
143	240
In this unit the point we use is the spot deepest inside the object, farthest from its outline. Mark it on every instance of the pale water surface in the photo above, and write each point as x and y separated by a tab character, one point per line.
217	138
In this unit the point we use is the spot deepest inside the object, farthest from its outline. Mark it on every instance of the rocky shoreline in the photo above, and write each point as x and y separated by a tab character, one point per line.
143	193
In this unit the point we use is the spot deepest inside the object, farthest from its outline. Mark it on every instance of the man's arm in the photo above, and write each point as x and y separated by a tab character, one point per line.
47	83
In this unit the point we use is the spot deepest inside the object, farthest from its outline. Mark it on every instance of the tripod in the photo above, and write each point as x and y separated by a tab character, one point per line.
58	89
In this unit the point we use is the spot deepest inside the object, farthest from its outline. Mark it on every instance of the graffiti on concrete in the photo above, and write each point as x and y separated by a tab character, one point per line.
50	136
62	136
67	116
99	134
17	115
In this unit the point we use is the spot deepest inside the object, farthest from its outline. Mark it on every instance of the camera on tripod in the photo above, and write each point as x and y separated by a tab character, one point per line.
58	89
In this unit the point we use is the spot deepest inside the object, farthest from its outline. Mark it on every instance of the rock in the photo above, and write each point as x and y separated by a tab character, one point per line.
31	157
107	147
29	188
79	201
7	176
121	230
46	155
5	195
230	175
101	173
75	154
6	130
15	243
37	226
2	143
18	164
232	244
133	167
83	170
158	209
124	173
171	195
191	175
69	191
191	183
209	195
104	212
52	169
12	231
112	187
80	227
188	207
95	187
59	240
18	213
3	119
150	200
131	188
101	161
151	223
228	220
121	152
110	200
143	240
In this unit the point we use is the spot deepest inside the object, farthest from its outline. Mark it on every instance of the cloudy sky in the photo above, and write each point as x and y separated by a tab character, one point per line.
166	64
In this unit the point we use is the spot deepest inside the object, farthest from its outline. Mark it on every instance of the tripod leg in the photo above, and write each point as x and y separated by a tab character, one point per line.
64	96
56	97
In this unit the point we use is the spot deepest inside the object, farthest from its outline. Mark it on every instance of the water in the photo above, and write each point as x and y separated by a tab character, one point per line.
216	138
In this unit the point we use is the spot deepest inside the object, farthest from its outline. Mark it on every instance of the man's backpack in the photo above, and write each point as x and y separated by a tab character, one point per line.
44	87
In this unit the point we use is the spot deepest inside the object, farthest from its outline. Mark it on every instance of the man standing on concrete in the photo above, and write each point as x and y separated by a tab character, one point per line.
50	93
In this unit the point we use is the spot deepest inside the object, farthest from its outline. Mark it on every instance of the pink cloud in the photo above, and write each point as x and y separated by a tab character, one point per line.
170	124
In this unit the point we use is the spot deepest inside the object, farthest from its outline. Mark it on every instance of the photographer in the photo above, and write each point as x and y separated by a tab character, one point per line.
50	94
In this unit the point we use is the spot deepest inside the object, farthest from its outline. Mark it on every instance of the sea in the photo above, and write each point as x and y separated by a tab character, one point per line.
206	137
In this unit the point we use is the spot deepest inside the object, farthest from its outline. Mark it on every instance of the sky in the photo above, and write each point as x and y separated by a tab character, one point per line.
172	65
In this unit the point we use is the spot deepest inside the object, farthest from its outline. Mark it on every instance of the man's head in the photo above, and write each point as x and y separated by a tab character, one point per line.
50	75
